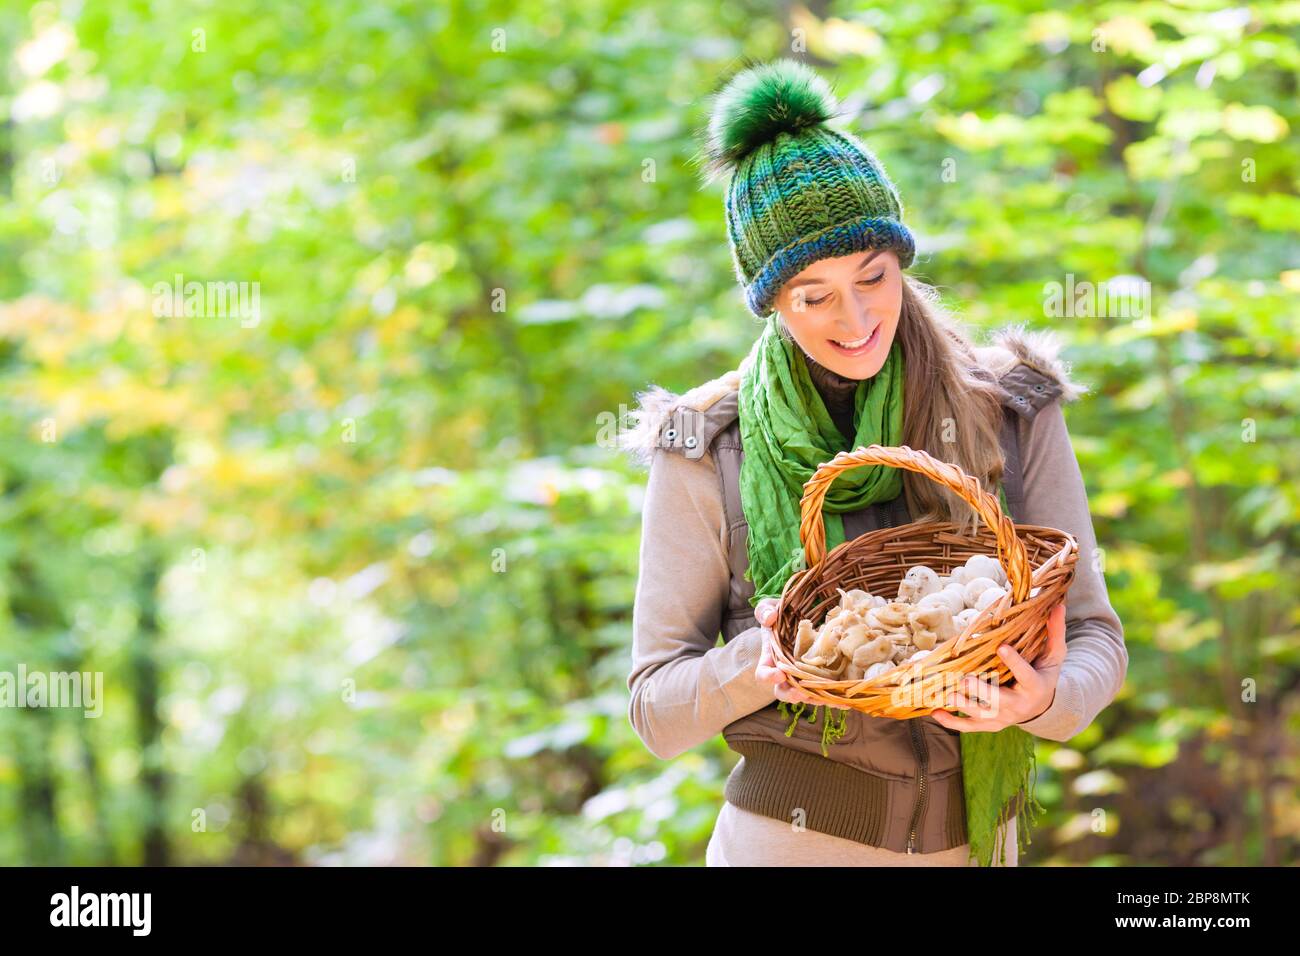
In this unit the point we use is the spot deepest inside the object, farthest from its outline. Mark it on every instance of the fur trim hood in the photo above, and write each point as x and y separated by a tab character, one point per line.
1012	349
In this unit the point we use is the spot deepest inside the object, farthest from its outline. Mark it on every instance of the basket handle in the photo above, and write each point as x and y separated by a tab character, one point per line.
812	526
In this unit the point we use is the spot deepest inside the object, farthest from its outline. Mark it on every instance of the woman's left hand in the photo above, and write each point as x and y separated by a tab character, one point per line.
995	707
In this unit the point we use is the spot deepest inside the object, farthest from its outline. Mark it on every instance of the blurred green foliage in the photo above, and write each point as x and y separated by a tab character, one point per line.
358	574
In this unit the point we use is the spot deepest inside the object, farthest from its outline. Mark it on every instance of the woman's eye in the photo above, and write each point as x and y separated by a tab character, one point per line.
816	301
873	281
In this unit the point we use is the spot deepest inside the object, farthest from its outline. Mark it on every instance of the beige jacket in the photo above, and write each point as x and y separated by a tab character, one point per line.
888	783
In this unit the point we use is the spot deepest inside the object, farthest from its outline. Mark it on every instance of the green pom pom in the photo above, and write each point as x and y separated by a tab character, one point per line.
761	102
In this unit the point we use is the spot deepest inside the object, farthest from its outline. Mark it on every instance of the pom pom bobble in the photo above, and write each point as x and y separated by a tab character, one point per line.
760	103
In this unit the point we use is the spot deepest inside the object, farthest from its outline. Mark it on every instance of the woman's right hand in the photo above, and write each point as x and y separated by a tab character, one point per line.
765	613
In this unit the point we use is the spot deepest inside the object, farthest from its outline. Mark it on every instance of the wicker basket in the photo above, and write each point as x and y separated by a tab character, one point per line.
1032	556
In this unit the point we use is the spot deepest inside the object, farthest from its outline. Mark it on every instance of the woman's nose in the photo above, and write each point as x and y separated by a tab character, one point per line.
856	311
856	323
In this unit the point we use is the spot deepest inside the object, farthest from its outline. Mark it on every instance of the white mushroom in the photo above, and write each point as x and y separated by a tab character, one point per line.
988	597
850	619
856	601
951	597
957	592
873	652
835	615
935	623
984	566
975	588
959	575
891	616
825	649
854	637
917	583
803	638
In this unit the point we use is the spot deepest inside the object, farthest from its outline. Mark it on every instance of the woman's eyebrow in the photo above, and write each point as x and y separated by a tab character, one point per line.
863	264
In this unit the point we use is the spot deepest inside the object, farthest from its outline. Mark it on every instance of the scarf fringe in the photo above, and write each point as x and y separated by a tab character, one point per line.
1025	807
832	729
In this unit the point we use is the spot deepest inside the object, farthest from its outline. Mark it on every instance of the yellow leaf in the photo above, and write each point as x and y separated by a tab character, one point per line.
1177	320
1257	123
1177	478
1219	728
1111	504
1183	632
1127	35
970	131
842	36
1048	26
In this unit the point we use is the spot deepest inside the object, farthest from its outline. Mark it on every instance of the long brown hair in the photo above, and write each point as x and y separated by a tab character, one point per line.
951	406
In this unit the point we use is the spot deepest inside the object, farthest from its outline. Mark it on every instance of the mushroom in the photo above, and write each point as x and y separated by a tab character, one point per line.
873	652
983	566
825	649
834	615
917	583
988	597
931	626
889	617
804	638
878	668
932	619
854	637
959	575
855	600
848	619
975	588
951	597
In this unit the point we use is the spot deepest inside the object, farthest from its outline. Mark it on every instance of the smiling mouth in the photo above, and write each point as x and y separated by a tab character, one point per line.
857	346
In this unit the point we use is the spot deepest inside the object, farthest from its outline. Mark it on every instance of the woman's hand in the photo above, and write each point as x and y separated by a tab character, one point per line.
765	612
995	707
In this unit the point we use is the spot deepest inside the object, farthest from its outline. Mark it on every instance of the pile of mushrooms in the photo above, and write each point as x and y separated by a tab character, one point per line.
866	634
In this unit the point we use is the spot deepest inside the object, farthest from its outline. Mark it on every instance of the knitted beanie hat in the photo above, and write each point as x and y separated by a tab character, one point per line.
800	191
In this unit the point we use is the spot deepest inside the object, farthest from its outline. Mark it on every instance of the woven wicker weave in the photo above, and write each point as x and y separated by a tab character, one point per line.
1032	556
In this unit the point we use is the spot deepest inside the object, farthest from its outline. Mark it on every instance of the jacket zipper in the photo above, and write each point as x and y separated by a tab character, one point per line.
922	758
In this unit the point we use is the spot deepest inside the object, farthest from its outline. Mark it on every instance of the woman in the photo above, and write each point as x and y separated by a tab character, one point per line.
853	352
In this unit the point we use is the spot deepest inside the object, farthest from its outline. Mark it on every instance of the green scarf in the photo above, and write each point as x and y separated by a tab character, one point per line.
787	433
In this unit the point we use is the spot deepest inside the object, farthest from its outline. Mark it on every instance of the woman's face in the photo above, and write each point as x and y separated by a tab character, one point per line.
844	311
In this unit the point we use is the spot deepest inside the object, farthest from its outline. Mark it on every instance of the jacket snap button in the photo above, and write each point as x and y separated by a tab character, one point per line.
671	434
1020	399
691	441
1038	387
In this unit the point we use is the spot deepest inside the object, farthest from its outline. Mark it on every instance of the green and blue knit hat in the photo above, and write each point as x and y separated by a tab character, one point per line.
800	191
